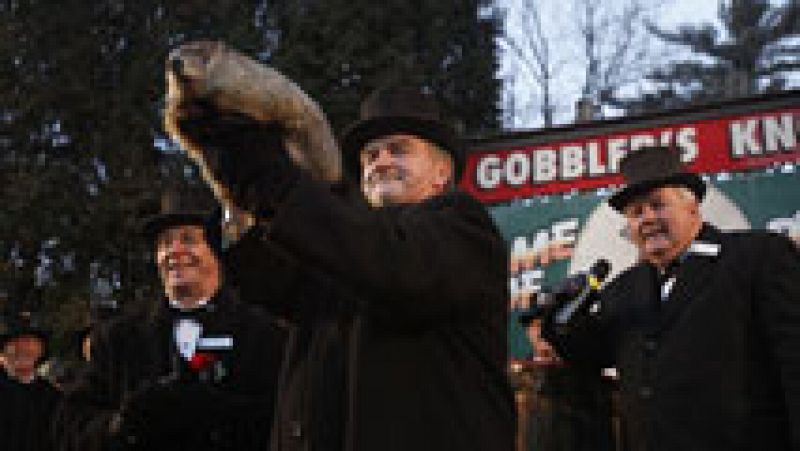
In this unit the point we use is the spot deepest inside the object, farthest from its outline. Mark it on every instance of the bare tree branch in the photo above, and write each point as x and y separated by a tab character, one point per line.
533	49
617	47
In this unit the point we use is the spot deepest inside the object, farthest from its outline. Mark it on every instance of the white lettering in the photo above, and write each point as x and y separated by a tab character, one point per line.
617	148
687	141
519	246
666	138
572	165
523	247
544	165
540	241
518	166
743	139
530	281
566	231
489	172
513	287
779	133
639	141
596	167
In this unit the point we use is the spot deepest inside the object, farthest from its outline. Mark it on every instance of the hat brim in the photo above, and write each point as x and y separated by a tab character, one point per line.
357	135
153	225
692	181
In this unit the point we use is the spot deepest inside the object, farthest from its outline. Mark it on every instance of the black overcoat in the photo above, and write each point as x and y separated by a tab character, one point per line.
26	414
135	351
716	366
401	316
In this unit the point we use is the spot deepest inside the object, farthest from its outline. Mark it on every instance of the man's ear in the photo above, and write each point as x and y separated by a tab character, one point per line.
443	171
694	207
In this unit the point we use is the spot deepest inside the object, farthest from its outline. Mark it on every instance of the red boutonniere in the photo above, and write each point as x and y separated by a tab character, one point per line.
201	361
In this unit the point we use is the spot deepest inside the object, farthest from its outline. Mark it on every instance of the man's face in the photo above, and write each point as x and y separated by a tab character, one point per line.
21	355
663	223
402	169
188	268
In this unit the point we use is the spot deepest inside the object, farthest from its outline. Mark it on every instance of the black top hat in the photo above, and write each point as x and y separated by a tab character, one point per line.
21	324
183	206
650	168
400	110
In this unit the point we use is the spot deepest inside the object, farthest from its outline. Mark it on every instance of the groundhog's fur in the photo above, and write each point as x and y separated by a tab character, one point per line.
213	74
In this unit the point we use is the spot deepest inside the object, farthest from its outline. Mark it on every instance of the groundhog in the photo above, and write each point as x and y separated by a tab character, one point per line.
215	94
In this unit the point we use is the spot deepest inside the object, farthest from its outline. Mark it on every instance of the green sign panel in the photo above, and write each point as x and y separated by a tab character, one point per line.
552	236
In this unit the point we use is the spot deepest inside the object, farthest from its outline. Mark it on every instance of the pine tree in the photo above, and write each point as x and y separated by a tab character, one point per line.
340	50
748	54
82	86
83	157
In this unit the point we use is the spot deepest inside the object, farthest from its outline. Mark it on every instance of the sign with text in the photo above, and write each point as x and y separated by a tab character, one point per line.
549	237
730	143
547	190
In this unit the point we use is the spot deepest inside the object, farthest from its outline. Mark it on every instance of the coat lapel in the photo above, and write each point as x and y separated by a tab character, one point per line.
161	343
648	310
693	275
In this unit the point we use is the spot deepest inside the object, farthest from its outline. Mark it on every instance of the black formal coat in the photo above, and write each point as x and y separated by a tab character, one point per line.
401	321
716	366
225	404
26	414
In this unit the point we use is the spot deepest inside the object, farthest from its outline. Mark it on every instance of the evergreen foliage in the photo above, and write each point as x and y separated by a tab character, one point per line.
82	152
750	53
340	50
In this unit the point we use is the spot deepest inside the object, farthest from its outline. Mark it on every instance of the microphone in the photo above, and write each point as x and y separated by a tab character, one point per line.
581	290
545	301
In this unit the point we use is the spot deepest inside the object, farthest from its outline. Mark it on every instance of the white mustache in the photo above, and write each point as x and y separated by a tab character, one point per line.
651	229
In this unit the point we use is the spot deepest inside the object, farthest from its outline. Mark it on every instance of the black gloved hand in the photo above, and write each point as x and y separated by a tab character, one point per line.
248	157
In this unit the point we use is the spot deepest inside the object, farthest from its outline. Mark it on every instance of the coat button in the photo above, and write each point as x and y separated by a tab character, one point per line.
646	392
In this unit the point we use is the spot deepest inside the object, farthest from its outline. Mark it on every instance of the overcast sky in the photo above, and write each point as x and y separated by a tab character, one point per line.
559	25
689	11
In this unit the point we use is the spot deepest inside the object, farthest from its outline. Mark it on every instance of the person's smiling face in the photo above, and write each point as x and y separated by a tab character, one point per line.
402	169
188	267
662	223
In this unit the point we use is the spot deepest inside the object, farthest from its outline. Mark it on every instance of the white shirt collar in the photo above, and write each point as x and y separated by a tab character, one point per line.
182	308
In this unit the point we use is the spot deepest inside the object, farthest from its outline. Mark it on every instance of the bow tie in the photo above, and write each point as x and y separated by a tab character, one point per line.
198	313
187	333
